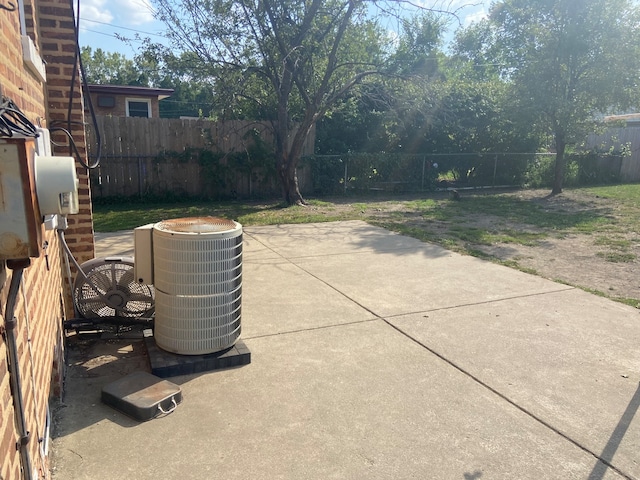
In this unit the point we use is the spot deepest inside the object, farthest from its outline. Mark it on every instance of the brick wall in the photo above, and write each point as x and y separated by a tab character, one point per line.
58	50
43	301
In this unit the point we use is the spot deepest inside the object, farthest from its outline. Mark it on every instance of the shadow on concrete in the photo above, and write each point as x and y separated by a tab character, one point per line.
606	457
339	238
93	361
473	476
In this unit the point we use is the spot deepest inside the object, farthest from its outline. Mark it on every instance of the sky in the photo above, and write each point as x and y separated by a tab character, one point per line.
103	21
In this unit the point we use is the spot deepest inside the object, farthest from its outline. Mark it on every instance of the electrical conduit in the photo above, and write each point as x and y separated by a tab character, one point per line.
18	267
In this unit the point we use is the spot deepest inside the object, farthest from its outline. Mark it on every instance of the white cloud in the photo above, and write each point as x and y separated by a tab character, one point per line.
95	10
133	12
473	17
127	13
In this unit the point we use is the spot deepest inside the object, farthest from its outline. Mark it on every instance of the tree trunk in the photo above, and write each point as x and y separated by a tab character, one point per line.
288	159
558	178
288	176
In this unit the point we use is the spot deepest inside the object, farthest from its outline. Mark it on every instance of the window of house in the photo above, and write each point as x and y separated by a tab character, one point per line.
106	101
138	107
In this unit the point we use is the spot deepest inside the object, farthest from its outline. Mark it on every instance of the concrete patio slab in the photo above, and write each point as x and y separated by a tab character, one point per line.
334	238
280	297
114	244
428	278
354	401
375	356
571	359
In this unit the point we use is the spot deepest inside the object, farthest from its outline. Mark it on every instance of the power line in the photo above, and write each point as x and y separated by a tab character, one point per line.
122	28
111	35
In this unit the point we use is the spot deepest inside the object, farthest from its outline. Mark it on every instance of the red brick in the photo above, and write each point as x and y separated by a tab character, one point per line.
53	30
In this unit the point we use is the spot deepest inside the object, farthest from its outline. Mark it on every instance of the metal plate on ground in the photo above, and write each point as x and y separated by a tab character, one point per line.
142	396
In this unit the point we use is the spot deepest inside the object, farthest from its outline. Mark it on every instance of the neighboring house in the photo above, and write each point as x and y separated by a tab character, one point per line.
127	101
37	41
631	119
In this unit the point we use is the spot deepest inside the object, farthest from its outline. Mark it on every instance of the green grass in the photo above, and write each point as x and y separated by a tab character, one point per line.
481	236
617	257
514	220
626	194
518	211
111	218
613	242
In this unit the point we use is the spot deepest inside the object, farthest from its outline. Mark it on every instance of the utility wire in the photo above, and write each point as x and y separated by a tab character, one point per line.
112	35
123	28
78	67
13	121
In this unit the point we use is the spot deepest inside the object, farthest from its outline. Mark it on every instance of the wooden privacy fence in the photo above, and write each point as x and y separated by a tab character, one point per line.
625	140
145	175
184	157
133	136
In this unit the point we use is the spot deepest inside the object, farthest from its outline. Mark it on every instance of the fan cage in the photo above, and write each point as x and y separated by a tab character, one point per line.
110	290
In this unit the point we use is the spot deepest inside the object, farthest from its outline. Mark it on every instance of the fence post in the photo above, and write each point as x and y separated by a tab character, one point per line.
424	162
495	169
139	177
346	172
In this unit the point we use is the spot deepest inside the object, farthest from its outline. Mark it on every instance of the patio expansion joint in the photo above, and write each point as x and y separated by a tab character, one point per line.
514	404
487	302
311	329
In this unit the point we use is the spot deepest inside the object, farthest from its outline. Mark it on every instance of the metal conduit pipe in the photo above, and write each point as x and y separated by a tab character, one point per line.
18	267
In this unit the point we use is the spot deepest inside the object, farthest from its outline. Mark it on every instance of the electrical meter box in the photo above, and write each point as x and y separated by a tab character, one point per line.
20	217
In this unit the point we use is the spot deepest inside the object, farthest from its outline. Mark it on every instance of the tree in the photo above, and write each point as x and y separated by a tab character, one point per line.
294	60
192	95
106	68
568	61
374	117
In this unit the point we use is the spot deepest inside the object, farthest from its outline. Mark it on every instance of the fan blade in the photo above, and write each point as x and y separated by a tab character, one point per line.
101	280
126	280
93	307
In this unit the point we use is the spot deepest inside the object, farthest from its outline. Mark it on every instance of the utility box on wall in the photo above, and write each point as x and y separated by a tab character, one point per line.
20	218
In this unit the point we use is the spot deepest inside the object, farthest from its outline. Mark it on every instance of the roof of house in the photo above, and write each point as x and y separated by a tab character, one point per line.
629	118
161	93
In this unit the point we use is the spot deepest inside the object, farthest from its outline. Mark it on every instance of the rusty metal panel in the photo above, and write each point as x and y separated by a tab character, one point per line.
142	396
20	218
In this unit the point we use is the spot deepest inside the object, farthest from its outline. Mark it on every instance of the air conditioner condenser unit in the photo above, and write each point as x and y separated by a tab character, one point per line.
195	265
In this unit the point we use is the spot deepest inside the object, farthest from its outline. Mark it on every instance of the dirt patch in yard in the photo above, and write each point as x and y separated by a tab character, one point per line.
606	262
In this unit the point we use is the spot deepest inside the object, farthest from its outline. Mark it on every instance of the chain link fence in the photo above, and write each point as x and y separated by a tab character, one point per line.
341	174
209	175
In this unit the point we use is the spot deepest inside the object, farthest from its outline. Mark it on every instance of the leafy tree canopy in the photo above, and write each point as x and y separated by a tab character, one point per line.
566	61
290	61
108	68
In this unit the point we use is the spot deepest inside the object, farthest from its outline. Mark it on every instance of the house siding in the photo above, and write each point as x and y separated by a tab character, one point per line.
120	107
44	300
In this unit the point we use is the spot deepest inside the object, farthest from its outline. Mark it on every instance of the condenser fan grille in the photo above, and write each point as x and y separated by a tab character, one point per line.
197	225
110	290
